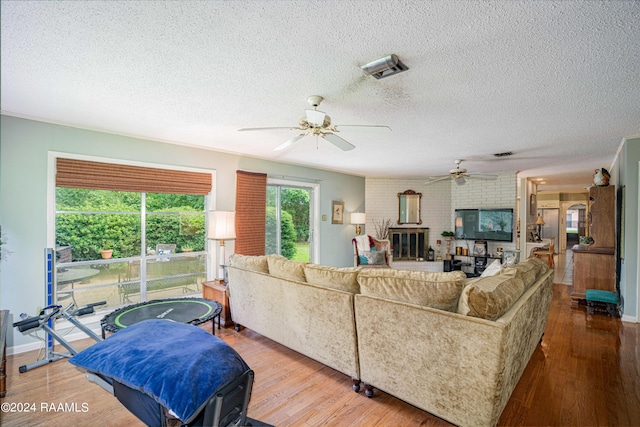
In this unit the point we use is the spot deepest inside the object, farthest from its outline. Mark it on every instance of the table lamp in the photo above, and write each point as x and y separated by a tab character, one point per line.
222	226
539	224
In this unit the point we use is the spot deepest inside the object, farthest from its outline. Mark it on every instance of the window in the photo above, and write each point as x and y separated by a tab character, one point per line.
125	247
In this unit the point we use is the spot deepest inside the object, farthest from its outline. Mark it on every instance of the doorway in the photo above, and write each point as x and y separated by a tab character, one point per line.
291	220
576	223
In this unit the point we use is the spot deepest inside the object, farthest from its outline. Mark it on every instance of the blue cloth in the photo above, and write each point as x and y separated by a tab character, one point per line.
180	366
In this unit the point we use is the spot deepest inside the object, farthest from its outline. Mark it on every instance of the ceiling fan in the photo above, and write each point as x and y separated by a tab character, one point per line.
460	175
317	123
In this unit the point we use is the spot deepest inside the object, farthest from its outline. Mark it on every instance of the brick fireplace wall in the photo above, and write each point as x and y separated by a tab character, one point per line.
439	202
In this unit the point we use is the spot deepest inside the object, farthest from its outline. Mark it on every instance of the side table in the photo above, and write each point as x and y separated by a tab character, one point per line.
216	290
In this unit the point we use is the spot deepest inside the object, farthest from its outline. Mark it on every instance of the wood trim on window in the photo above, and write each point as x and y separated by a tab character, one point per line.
251	213
74	173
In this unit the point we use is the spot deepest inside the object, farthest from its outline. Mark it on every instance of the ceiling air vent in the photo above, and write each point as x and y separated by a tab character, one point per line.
384	67
505	154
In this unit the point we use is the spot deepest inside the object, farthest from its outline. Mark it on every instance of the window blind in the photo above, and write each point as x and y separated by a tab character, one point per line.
251	213
73	173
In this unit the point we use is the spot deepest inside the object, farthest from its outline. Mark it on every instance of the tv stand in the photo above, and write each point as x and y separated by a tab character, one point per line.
478	262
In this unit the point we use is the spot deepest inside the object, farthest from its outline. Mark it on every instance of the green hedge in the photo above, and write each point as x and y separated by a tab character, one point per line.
288	235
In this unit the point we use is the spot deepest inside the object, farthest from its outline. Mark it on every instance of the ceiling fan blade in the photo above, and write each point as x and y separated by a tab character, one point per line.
364	127
269	128
435	179
315	117
338	142
289	142
483	176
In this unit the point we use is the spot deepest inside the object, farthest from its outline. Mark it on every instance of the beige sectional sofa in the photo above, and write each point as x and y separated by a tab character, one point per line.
306	307
451	346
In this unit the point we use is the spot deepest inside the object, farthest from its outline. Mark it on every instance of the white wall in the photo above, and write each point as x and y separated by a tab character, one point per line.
25	146
626	174
381	198
439	201
501	193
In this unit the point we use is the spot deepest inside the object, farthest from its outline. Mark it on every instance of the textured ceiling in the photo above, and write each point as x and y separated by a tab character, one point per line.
557	83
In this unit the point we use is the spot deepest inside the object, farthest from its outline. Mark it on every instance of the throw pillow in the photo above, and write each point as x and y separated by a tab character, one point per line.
526	271
492	269
490	297
373	258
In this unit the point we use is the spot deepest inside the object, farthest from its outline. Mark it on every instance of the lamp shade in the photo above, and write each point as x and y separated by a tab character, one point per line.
358	218
222	225
459	222
539	220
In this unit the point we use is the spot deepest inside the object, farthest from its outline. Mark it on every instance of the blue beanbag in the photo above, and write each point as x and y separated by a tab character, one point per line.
180	366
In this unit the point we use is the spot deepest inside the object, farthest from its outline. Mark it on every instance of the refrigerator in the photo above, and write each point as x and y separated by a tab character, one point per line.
550	227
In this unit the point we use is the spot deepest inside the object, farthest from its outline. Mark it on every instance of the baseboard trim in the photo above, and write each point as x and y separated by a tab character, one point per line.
36	345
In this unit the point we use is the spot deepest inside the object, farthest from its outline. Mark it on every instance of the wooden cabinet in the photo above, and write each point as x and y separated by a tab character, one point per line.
602	216
217	291
593	268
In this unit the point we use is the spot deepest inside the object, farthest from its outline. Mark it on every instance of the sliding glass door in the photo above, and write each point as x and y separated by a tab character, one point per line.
291	220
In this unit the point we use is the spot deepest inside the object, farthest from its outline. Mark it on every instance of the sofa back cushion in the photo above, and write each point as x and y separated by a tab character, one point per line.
528	270
344	279
436	290
250	262
490	297
284	268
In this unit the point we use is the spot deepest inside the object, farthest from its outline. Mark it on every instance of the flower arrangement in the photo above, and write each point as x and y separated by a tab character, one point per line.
382	228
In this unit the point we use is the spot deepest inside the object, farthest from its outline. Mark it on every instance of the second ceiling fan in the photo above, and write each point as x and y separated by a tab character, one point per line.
317	123
460	175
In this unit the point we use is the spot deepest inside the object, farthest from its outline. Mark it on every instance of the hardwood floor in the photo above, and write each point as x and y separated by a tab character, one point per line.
585	373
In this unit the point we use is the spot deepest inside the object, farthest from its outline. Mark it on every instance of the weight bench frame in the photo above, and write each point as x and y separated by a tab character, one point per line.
44	321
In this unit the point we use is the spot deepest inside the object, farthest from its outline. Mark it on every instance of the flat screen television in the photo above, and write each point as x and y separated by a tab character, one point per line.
485	224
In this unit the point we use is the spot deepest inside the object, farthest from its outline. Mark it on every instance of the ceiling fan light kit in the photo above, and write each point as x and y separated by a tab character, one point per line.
384	67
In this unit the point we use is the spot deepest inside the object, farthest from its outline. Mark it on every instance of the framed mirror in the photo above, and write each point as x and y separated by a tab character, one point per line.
409	207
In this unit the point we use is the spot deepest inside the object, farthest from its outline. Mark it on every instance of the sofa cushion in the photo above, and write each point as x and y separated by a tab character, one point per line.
343	279
540	264
528	270
490	297
249	262
284	268
436	290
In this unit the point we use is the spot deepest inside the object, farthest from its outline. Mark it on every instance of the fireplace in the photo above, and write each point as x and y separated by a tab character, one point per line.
409	243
